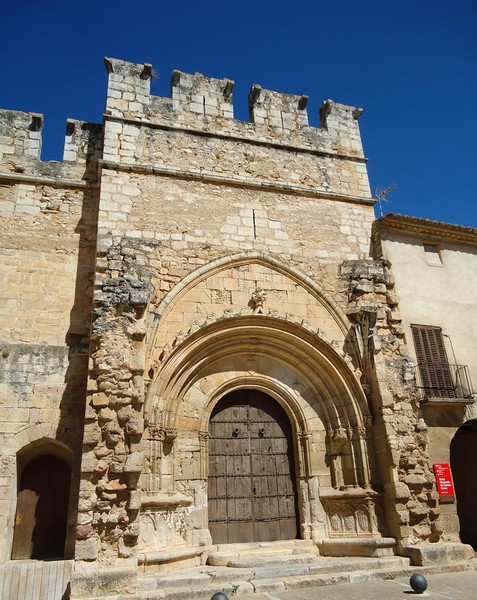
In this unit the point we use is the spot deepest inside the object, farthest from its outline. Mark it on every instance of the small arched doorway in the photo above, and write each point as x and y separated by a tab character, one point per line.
463	454
252	485
42	508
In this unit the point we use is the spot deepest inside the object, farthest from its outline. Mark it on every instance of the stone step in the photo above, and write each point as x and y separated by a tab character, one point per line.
203	582
276	545
325	565
193	578
243	555
273	560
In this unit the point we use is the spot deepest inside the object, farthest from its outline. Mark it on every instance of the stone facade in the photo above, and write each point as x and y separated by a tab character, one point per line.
178	255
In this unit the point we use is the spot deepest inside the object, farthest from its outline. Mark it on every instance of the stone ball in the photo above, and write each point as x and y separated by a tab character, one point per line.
418	583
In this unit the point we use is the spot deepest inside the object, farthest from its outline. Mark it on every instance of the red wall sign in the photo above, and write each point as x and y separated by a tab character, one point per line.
445	487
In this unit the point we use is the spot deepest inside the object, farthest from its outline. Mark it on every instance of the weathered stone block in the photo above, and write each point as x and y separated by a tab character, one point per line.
134	502
92	436
137	361
107	582
135	427
134	463
87	549
443	553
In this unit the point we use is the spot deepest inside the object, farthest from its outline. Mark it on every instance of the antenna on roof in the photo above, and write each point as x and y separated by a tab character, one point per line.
380	195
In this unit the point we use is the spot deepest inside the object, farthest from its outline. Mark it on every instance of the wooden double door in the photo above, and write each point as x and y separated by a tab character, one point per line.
252	484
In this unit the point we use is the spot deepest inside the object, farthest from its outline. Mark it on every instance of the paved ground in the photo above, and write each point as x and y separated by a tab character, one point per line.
441	586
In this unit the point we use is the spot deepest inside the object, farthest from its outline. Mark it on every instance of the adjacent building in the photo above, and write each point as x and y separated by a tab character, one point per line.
435	268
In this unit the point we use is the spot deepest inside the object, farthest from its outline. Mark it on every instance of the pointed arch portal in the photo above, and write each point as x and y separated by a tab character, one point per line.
203	384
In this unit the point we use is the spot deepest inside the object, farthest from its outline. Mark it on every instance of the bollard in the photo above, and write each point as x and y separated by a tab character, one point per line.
418	583
219	596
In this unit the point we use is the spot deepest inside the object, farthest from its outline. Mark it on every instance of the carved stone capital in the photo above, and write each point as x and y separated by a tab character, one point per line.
162	434
339	434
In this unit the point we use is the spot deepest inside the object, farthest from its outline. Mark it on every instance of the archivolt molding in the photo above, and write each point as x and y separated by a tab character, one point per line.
218	342
190	330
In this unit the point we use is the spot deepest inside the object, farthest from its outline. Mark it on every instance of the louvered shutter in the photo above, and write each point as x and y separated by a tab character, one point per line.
432	361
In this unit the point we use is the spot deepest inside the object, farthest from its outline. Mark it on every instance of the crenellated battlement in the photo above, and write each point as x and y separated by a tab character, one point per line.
194	132
20	135
201	95
129	88
21	141
83	141
275	109
205	103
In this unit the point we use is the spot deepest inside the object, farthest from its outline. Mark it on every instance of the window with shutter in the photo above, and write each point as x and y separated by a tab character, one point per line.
432	360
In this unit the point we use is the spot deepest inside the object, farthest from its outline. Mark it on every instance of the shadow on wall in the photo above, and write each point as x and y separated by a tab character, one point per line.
73	402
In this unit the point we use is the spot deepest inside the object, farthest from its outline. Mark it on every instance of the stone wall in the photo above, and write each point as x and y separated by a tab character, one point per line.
278	150
440	296
48	216
401	437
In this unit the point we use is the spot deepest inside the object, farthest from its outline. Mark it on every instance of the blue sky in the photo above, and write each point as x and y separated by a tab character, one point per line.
411	64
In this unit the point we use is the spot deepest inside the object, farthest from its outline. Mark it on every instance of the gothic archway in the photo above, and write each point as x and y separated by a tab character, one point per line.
252	491
249	322
305	374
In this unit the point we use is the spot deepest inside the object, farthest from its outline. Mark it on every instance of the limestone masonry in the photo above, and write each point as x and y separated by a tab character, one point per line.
204	342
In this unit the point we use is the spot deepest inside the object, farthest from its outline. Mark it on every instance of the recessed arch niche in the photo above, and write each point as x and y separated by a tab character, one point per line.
314	384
